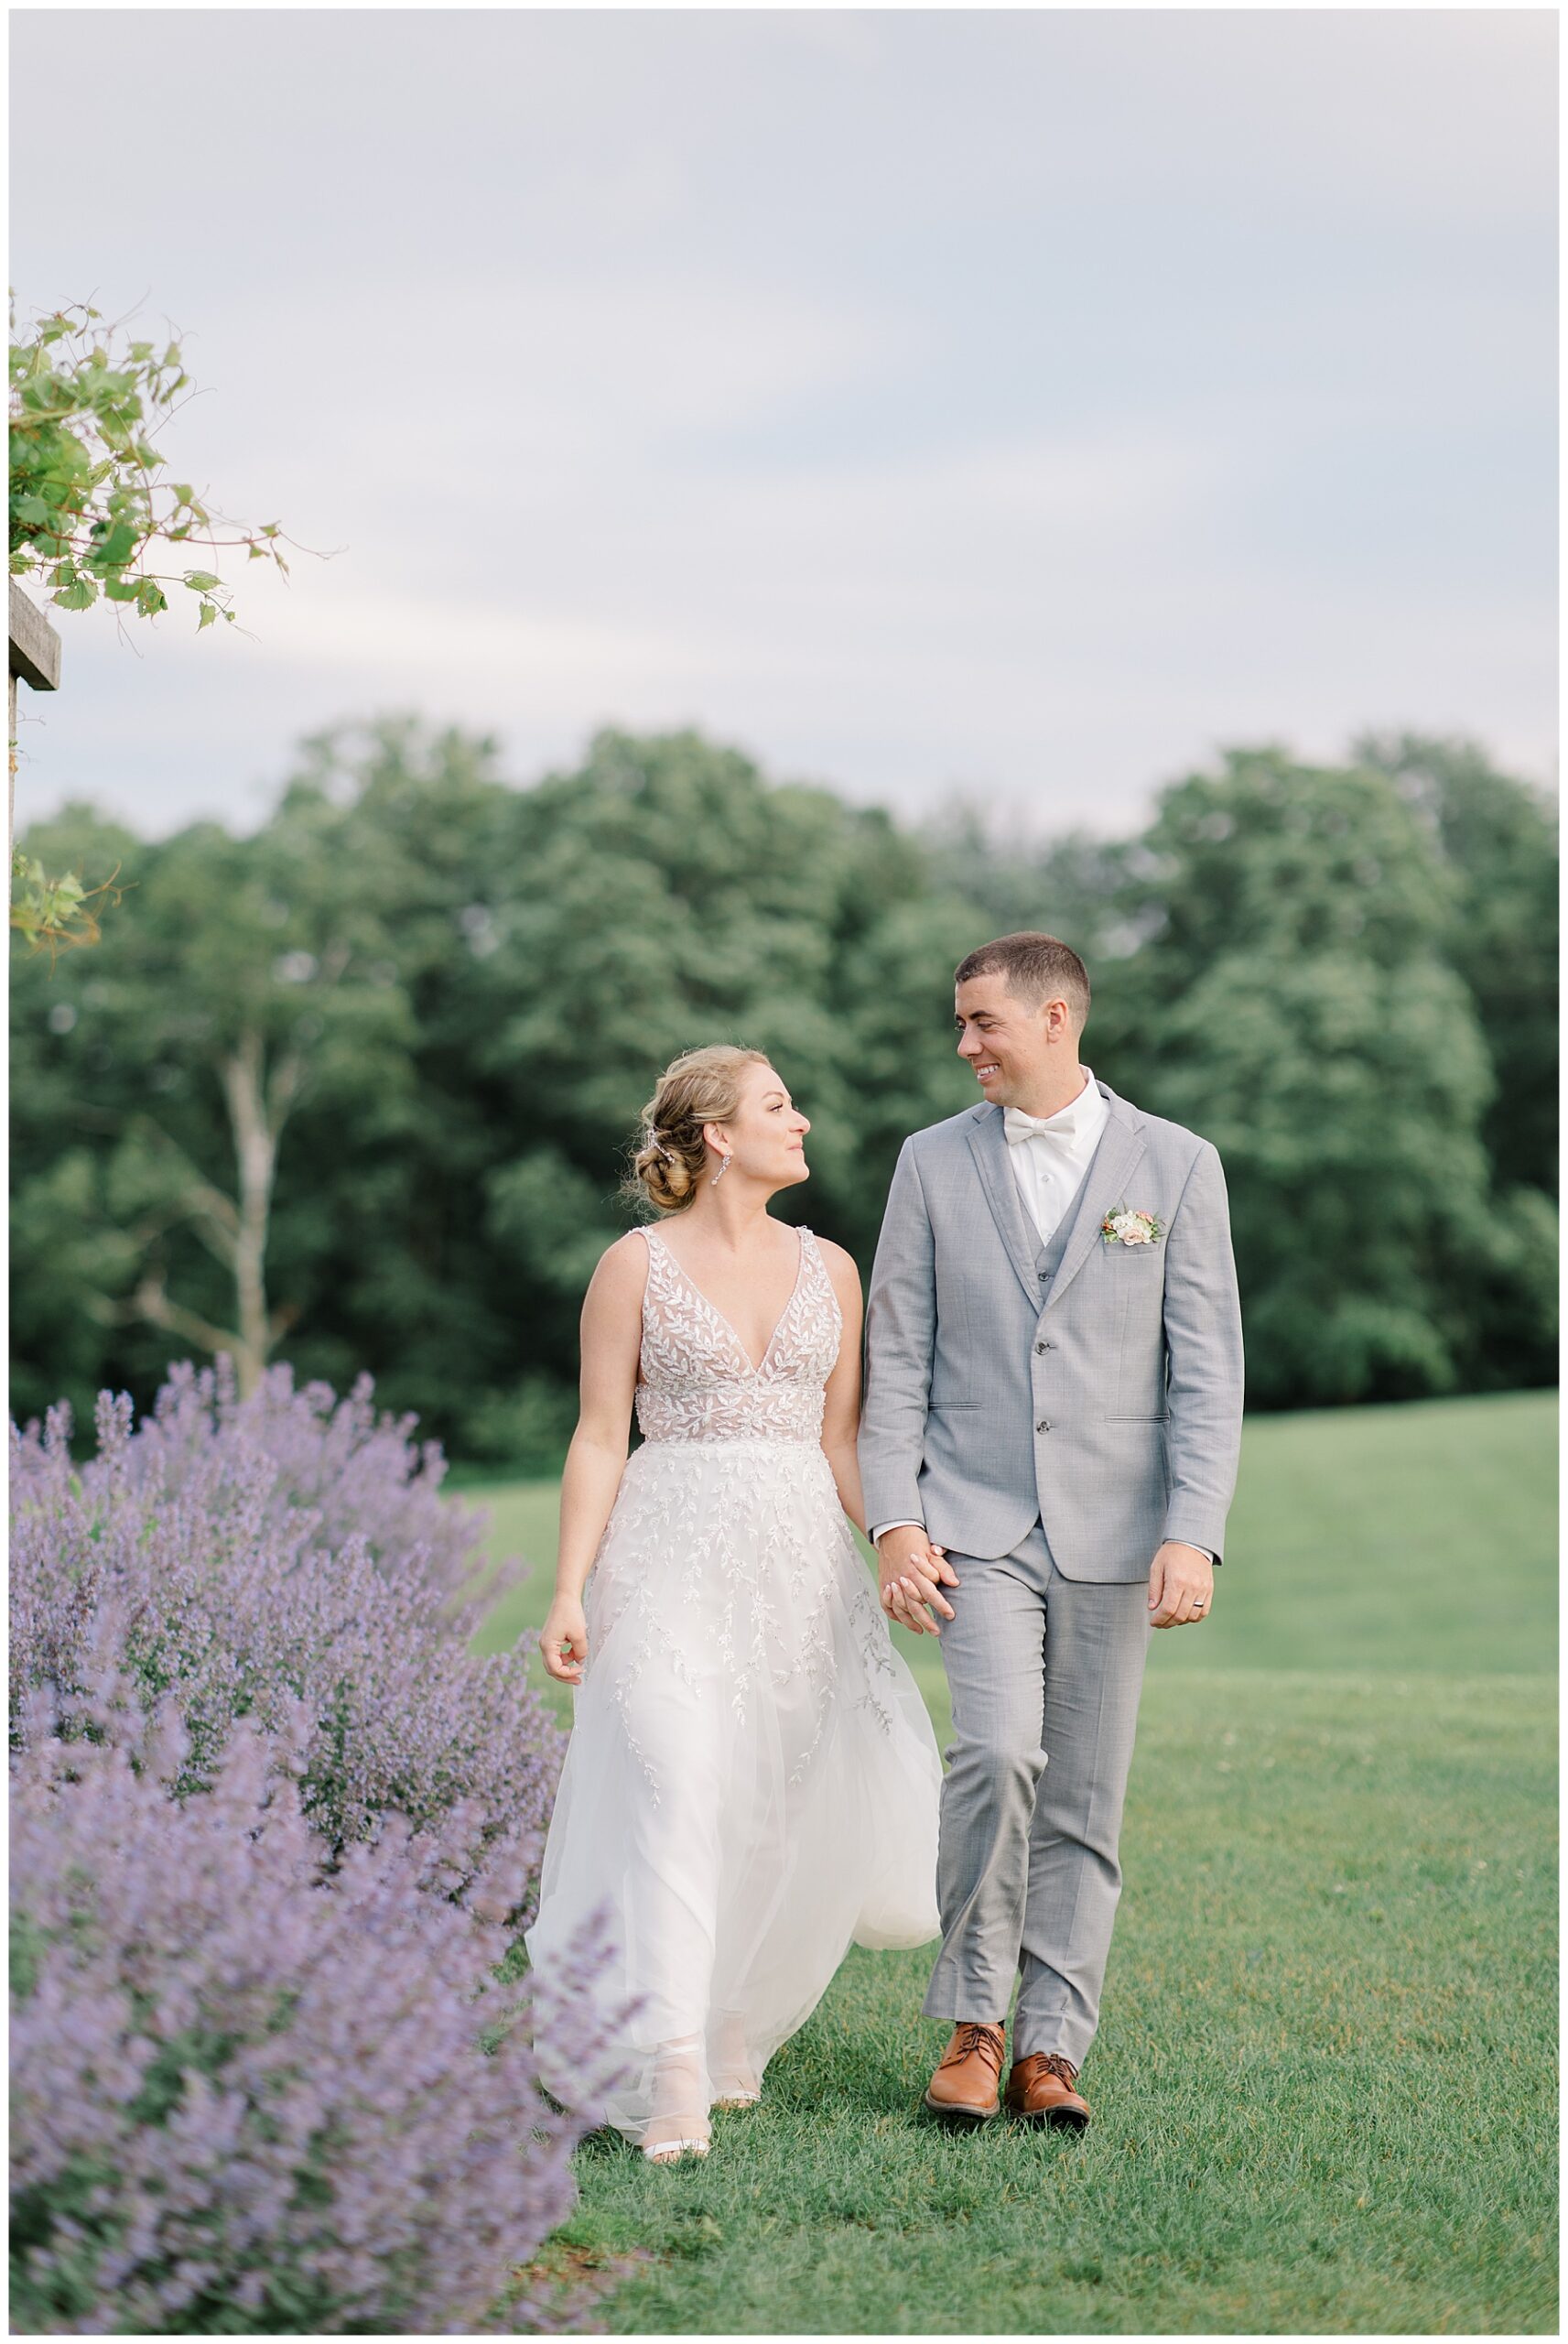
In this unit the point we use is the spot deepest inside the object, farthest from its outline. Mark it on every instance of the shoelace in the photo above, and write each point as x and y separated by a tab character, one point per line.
1059	2065
986	2040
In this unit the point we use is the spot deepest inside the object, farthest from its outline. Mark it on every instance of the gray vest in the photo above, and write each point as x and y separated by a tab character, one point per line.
1048	1261
1049	1251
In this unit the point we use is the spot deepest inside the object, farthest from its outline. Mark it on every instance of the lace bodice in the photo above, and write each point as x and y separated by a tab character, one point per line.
697	1381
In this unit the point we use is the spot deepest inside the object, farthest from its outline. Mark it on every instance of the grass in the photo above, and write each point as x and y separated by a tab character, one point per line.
1422	1535
1324	2086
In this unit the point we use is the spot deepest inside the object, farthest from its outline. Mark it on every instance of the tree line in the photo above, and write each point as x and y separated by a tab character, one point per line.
357	1090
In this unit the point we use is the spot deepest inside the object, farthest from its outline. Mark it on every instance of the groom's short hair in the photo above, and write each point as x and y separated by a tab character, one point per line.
1034	967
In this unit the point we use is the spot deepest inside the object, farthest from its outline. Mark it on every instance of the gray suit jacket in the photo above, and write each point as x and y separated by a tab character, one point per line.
1104	1397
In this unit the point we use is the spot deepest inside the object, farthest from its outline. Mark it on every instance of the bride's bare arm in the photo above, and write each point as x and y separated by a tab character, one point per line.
841	1403
611	1333
927	1563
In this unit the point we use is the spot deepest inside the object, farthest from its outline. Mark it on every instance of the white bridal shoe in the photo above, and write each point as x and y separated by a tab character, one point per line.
735	2085
672	2152
678	2126
736	2094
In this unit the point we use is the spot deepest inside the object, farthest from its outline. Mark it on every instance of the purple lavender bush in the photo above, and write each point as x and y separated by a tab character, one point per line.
249	2093
336	1462
286	1547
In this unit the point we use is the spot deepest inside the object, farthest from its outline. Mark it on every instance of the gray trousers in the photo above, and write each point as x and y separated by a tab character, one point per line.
1045	1673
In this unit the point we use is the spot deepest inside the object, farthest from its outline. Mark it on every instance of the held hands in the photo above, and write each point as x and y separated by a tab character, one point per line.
911	1573
1180	1586
562	1640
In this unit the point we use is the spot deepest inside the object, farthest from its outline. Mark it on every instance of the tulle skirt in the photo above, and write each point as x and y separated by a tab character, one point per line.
751	1783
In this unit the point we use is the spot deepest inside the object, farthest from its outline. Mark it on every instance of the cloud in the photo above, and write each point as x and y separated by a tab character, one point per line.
1037	396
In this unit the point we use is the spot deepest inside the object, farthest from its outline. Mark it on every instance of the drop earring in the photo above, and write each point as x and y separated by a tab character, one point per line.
723	1168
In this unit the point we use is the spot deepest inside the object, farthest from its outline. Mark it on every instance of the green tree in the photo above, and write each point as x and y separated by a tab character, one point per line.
1075	886
1082	888
1296	1007
255	979
361	1088
1497	837
673	896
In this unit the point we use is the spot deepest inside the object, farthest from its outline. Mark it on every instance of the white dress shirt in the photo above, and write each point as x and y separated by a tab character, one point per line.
1048	1166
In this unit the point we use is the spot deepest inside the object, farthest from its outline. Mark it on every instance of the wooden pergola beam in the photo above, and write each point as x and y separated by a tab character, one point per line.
35	646
35	661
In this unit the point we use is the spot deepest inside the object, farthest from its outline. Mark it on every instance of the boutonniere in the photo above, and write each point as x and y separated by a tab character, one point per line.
1120	1227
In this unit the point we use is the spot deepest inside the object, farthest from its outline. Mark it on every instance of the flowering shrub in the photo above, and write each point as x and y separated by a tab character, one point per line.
334	1461
277	1550
248	2091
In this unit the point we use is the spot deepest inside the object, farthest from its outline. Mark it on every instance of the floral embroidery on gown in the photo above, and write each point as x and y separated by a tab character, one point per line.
751	1783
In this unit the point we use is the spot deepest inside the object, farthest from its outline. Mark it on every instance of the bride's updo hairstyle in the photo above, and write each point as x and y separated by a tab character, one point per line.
699	1087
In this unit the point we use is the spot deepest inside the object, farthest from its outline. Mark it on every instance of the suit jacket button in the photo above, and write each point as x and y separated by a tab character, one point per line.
1042	1347
1042	1426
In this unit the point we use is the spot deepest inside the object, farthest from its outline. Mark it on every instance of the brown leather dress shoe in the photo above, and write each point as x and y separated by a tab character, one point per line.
1040	2091
964	2088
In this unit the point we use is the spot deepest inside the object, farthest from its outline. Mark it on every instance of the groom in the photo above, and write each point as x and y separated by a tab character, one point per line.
1053	1397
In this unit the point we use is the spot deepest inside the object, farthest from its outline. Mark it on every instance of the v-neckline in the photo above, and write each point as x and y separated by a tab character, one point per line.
728	1325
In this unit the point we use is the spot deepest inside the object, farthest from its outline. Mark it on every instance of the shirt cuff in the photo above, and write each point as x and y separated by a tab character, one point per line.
1196	1548
904	1523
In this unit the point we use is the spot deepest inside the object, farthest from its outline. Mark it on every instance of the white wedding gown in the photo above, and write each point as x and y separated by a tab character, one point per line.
751	1782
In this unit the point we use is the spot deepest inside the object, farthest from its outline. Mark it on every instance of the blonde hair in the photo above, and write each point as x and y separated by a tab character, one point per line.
699	1087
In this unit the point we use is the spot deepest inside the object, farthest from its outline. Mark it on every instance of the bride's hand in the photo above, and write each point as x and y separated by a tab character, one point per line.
928	1574
562	1640
911	1571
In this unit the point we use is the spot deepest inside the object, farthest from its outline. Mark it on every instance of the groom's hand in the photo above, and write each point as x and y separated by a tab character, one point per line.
911	1573
1181	1585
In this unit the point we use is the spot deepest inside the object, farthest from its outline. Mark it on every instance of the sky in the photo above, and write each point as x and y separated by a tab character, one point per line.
1019	406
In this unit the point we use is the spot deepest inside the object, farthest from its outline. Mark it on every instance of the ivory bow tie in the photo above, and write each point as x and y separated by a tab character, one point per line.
1019	1127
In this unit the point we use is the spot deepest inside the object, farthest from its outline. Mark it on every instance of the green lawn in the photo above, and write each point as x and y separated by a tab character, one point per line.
1324	2082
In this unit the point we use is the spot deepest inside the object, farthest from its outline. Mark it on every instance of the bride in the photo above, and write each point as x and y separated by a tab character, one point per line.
751	1782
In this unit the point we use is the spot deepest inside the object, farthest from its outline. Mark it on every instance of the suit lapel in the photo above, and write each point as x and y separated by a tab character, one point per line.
1121	1145
988	1143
